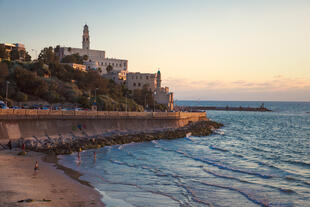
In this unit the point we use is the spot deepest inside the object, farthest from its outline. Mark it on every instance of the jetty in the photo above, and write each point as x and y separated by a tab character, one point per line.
262	108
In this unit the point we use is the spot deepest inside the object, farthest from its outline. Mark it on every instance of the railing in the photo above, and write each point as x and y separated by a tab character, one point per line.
46	114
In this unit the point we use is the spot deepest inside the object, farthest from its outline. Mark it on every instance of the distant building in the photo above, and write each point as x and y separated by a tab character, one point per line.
96	58
153	83
76	66
18	47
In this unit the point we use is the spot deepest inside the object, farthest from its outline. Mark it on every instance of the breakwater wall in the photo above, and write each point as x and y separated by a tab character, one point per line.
24	123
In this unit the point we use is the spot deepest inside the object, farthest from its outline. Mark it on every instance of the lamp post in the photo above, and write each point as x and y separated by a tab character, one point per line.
126	102
154	101
6	94
96	98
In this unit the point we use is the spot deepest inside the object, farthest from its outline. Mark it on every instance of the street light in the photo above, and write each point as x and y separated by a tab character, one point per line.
6	94
154	100
126	102
96	98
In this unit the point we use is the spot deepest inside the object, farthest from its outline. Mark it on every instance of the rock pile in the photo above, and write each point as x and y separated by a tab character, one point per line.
70	143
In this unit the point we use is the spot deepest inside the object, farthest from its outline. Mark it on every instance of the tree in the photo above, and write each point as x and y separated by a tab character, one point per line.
109	68
14	54
85	57
3	53
48	56
27	57
4	71
74	58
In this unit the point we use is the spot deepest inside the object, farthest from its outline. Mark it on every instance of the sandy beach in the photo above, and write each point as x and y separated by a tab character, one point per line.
48	187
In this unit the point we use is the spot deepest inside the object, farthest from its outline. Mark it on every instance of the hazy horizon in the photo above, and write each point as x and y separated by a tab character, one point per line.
216	50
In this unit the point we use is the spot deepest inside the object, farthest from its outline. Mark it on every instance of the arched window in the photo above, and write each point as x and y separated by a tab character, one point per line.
134	84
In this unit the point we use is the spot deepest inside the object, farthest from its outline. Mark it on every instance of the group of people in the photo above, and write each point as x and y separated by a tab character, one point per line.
23	147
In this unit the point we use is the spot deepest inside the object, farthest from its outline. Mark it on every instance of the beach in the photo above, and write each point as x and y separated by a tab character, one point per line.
49	186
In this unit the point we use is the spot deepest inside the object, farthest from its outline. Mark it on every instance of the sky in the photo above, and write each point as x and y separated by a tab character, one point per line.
251	50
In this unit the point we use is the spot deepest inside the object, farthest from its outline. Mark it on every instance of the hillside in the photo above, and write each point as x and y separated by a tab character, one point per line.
49	80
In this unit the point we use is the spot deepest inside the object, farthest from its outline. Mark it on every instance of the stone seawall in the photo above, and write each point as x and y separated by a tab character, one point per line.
23	123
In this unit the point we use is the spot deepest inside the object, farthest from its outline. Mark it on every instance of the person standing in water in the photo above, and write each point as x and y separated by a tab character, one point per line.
36	166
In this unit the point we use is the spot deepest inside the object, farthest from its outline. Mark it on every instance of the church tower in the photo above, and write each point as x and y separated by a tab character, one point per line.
86	40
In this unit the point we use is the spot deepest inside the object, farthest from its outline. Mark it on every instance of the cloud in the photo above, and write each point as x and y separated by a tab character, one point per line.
278	88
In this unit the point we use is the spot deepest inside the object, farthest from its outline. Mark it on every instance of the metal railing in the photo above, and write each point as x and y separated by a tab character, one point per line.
46	114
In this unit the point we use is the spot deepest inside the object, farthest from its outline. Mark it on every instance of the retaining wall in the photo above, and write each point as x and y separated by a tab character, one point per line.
15	124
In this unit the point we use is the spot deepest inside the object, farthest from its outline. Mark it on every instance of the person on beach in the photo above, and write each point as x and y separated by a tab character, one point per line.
10	145
23	146
95	155
36	166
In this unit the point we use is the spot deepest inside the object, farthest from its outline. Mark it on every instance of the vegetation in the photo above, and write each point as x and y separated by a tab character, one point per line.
49	80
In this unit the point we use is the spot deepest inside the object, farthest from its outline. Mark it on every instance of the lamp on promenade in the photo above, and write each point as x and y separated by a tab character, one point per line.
154	100
126	102
96	98
6	94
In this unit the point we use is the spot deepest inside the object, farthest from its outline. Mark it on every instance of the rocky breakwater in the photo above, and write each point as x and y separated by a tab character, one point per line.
66	144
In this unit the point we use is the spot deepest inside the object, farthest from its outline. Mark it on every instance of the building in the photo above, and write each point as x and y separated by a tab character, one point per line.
76	66
18	47
139	80
153	83
118	77
96	59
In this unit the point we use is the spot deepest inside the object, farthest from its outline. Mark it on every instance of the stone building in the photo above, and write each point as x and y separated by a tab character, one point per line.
96	58
153	83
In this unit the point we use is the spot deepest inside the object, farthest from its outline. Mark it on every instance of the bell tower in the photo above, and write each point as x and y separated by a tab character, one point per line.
86	40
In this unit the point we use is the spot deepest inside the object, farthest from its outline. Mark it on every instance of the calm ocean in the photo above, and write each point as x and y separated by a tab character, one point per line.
256	159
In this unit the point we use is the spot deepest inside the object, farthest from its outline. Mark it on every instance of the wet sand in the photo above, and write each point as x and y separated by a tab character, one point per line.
48	187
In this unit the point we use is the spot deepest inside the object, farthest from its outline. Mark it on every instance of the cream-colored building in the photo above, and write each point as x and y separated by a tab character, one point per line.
96	59
8	47
153	83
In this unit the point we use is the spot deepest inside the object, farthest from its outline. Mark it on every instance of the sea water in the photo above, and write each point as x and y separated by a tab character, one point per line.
256	159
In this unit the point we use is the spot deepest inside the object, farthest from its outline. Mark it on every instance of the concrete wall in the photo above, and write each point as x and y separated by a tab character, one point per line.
15	124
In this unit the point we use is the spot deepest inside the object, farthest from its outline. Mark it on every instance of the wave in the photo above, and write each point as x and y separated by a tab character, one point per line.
217	164
244	181
194	196
299	163
218	149
141	188
250	196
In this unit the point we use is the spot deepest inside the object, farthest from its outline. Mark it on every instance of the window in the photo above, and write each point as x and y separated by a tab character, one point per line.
147	77
136	77
134	84
139	84
140	77
105	64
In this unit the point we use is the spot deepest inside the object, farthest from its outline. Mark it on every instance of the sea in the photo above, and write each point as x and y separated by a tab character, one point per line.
256	159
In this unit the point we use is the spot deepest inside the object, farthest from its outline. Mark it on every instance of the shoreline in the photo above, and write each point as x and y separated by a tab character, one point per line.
48	156
52	186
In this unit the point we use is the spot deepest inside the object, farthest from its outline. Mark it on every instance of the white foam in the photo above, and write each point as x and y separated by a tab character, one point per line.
113	202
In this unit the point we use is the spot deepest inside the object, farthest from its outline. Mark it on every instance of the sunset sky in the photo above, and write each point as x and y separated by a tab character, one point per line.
207	50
